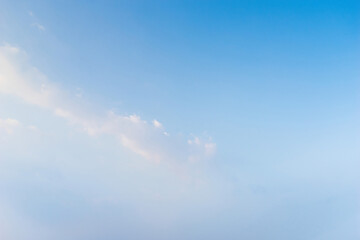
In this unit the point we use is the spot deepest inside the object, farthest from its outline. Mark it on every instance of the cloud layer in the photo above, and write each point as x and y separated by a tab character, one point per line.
149	140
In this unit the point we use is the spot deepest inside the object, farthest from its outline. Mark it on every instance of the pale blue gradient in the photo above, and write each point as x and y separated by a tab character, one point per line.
275	84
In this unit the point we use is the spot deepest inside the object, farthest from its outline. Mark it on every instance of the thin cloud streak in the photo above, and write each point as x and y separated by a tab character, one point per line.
8	125
149	140
38	26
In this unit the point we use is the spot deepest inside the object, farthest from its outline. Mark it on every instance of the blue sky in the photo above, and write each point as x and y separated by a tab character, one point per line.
179	119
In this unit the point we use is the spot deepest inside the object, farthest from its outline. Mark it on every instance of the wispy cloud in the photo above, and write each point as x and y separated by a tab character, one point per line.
157	123
149	140
8	125
38	26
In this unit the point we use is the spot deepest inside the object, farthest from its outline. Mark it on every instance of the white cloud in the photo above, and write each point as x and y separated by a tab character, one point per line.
201	148
24	81
32	128
8	125
38	26
79	93
19	78
157	124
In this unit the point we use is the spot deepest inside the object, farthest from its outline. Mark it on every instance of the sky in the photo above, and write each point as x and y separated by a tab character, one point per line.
179	120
